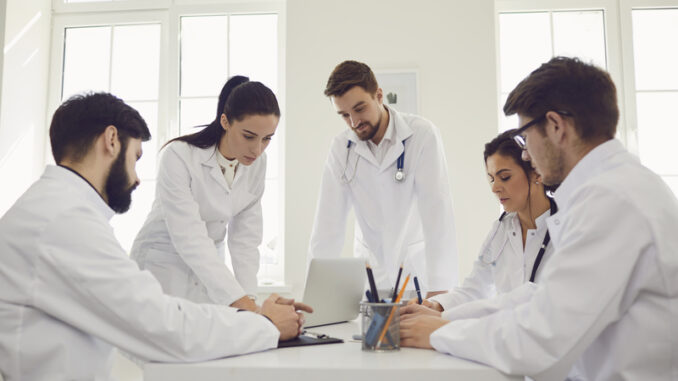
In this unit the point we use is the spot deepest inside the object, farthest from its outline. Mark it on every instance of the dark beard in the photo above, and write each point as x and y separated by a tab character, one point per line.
373	130
118	188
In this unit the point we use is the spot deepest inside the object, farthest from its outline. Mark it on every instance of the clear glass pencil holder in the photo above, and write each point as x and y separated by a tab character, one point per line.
380	326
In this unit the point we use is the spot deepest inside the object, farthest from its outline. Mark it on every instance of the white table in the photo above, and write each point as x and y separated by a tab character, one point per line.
329	362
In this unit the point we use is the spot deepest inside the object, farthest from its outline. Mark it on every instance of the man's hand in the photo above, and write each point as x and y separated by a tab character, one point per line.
284	316
245	303
418	310
427	303
298	306
416	330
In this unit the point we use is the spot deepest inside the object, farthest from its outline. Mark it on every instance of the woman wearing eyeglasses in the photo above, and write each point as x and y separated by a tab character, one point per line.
512	253
209	190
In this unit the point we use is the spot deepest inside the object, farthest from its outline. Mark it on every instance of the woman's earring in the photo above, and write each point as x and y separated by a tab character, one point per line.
536	182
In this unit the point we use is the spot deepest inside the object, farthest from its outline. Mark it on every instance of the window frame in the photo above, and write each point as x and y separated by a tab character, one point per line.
613	50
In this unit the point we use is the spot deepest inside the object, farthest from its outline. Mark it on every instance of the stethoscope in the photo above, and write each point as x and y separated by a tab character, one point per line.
400	164
542	249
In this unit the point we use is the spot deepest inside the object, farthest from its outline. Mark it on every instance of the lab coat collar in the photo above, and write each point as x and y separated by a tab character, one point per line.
208	158
591	165
402	131
81	187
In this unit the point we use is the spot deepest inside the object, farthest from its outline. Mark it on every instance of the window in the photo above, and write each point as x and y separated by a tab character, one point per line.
656	89
123	60
172	74
527	39
634	37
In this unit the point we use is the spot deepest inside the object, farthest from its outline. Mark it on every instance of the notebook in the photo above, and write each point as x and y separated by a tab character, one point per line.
334	288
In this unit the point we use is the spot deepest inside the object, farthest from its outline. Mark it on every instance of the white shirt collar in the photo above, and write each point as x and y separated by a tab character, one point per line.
81	186
587	167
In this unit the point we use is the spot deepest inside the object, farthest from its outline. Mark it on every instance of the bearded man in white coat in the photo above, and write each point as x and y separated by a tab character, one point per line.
390	168
68	290
607	302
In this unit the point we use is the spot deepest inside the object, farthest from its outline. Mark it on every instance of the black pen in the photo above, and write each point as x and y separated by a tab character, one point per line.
416	286
395	290
373	286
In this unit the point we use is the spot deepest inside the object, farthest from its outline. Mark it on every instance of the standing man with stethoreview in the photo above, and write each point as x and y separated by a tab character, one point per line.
391	168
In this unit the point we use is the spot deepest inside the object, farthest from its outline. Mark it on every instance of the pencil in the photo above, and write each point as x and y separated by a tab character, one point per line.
395	290
373	286
390	316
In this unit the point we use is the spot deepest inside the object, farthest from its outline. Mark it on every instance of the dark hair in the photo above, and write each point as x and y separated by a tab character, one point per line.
239	98
349	74
568	84
80	120
504	145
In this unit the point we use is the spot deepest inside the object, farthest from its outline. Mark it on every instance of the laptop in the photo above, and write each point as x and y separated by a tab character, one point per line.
334	288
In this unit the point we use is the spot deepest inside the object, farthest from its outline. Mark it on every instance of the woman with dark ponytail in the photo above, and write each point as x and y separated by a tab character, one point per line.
512	253
208	191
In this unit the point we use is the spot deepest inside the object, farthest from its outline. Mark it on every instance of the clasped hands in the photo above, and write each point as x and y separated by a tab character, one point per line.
284	313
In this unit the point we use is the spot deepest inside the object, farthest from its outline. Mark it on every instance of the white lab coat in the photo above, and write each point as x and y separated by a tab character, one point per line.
69	293
503	264
182	240
608	298
409	221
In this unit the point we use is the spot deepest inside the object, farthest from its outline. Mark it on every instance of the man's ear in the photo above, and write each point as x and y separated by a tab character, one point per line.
557	127
379	95
111	141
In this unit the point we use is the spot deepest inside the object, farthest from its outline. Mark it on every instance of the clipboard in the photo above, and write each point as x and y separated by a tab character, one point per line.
303	340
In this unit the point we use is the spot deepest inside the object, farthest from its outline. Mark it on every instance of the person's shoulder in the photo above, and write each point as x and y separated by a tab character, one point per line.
180	147
420	125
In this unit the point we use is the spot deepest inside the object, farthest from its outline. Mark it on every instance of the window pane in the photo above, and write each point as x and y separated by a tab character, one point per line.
196	112
204	58
658	131
655	49
254	48
136	62
86	60
580	34
146	169
126	226
524	44
506	123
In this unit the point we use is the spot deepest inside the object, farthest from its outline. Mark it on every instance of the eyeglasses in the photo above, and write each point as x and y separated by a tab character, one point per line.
518	136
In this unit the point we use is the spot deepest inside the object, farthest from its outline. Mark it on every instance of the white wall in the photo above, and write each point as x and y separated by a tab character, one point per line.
24	92
451	43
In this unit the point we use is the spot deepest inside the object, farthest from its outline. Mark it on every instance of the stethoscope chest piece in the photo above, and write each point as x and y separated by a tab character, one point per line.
400	175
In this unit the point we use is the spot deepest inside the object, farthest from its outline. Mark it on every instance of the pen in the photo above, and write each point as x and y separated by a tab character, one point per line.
395	290
416	286
373	286
390	316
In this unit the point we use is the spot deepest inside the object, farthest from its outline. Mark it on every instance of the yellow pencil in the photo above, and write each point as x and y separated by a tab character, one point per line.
390	316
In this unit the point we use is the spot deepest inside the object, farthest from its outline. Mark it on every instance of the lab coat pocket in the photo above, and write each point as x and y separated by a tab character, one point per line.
170	271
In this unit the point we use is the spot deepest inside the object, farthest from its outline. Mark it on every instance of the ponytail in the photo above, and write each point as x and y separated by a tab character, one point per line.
238	98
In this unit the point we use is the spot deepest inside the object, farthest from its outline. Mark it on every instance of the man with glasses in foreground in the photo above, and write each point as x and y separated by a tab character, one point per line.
607	302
